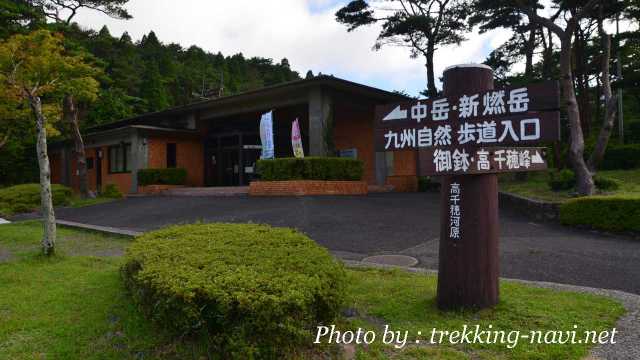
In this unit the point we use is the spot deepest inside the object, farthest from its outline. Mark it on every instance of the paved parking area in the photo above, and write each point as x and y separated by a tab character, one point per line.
392	223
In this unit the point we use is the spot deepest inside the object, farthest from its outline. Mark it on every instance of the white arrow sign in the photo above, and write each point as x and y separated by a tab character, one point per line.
537	159
396	114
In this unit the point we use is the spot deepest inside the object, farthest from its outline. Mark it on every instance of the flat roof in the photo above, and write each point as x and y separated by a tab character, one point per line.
291	86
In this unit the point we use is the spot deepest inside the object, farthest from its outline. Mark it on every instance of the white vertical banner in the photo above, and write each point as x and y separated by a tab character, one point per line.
296	140
266	135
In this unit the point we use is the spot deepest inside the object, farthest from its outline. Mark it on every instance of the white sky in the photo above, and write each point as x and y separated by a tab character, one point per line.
303	31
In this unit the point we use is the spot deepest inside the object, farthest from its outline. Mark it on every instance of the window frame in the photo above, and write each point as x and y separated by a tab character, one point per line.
125	165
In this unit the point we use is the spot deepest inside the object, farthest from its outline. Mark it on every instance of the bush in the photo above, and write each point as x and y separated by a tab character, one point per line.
311	168
566	180
562	180
611	213
171	176
26	198
254	290
621	157
603	183
426	183
111	191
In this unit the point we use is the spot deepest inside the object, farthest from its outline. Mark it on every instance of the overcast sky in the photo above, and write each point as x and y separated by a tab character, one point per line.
303	31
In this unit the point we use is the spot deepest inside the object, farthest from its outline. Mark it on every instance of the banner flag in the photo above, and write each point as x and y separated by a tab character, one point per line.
296	139
266	135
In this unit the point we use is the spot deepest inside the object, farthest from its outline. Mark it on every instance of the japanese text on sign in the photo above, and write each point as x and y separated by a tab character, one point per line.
485	132
455	214
474	161
498	102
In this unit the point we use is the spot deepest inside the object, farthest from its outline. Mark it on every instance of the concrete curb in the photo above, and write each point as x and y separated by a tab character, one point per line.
102	229
537	210
628	326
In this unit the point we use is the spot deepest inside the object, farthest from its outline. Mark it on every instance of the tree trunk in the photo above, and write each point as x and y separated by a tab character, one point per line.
70	113
610	106
584	179
547	57
530	47
49	220
432	91
582	81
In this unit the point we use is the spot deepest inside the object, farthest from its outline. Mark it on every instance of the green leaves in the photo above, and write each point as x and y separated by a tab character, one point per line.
37	64
255	290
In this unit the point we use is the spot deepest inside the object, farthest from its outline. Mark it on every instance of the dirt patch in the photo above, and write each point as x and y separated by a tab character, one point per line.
5	255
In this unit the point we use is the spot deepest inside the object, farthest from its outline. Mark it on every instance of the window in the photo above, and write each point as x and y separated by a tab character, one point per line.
120	158
171	155
90	163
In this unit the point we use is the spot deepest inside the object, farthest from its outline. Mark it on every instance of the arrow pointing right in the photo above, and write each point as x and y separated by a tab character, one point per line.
537	159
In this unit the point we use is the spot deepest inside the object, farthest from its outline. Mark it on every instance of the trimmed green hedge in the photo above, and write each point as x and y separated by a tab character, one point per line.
622	157
171	176
311	168
611	213
26	198
255	291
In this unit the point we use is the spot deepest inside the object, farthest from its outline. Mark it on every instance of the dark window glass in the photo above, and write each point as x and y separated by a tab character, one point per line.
120	158
89	163
171	155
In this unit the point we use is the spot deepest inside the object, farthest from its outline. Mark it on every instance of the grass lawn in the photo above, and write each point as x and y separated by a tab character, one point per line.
75	307
536	186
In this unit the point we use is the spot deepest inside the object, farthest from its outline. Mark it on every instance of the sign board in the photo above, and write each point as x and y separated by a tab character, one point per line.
465	161
348	153
488	104
522	129
453	132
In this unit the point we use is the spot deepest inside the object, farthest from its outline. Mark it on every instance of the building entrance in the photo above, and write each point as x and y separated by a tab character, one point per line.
231	159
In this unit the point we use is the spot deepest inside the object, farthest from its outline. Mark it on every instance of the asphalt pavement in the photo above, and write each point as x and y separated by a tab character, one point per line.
354	227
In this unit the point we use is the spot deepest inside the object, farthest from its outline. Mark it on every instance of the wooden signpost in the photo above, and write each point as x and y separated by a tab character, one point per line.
468	136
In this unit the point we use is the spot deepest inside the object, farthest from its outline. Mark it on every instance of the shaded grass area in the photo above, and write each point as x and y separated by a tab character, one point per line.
406	301
74	306
537	187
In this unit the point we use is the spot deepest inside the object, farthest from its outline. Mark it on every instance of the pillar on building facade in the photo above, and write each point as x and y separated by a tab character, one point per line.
320	122
139	158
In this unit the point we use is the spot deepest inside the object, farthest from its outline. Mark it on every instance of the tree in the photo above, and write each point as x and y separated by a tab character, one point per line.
422	25
63	11
34	67
494	14
610	101
584	178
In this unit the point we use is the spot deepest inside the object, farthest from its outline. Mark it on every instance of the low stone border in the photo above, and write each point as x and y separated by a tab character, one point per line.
628	326
156	189
537	210
307	187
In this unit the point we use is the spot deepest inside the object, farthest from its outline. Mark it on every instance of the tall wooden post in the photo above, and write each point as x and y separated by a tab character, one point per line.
468	269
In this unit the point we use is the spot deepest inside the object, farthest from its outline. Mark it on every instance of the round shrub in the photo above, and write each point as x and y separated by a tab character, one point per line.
255	291
566	180
606	184
26	197
562	180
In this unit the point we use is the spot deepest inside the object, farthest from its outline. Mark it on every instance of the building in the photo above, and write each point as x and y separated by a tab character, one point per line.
218	140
